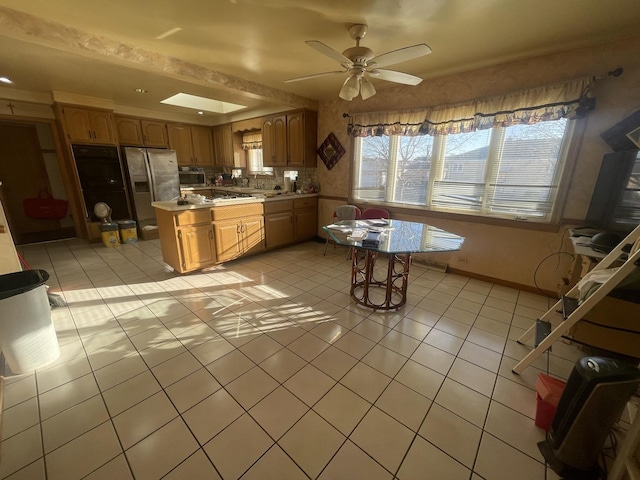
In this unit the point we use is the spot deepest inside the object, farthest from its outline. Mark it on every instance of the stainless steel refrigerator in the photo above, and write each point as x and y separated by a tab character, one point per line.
153	177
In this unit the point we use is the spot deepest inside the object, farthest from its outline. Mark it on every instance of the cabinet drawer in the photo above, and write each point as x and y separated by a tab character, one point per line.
305	202
191	217
236	211
275	207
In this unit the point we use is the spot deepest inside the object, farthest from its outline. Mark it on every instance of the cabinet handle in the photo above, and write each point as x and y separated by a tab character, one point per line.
90	134
144	138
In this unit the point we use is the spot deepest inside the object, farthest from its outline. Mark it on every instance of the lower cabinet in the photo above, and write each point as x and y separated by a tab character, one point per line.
305	212
186	239
278	223
197	246
198	238
238	230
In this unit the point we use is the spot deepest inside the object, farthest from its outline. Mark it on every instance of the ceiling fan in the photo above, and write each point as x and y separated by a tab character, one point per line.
360	62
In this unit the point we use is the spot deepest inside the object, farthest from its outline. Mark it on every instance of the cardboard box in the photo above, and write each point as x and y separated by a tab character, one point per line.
613	325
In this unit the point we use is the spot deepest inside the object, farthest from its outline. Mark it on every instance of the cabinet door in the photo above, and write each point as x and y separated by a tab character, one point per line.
295	139
253	233
280	141
227	142
279	229
202	139
154	134
268	154
306	224
78	125
180	141
129	132
223	145
228	239
196	245
102	126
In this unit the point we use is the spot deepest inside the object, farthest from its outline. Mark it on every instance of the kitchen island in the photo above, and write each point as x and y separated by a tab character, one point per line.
198	235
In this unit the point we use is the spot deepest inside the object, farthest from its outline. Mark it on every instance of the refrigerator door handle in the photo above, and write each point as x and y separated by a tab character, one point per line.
151	176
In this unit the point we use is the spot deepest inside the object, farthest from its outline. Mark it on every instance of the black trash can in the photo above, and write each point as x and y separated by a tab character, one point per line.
27	336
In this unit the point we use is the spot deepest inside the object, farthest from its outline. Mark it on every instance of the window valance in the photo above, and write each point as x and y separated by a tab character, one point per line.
252	141
567	100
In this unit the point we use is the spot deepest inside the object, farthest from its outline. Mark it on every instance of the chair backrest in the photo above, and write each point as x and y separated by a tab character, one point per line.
347	212
374	213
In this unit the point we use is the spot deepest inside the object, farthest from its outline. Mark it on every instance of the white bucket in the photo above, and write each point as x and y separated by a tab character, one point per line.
27	336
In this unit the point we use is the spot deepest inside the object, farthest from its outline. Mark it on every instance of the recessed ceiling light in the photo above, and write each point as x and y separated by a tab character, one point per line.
201	103
141	90
6	80
201	113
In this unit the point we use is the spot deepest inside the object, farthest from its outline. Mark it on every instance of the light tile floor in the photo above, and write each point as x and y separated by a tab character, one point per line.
264	368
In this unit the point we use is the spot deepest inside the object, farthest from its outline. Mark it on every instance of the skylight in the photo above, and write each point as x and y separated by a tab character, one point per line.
201	103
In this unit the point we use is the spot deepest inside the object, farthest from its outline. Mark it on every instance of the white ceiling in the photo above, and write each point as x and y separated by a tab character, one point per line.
241	51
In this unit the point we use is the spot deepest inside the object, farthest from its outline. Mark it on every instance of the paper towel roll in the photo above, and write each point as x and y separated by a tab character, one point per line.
287	184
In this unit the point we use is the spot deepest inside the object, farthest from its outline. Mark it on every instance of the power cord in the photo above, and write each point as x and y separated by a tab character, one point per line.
535	282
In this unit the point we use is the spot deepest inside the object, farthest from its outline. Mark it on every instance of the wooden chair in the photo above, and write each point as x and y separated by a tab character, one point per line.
344	212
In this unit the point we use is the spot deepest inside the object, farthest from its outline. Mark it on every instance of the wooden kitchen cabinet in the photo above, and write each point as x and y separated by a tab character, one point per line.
85	125
278	223
193	144
238	230
274	141
223	145
290	140
141	133
305	213
186	239
154	134
302	137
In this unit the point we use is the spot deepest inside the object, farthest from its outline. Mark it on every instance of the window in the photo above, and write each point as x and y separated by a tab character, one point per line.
510	172
252	145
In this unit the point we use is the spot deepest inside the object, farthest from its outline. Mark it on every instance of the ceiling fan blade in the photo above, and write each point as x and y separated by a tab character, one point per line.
393	76
315	75
328	51
401	55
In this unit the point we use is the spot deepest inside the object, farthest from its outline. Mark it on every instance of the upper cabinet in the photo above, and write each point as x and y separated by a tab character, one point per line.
84	125
144	133
223	145
193	144
290	140
302	133
274	141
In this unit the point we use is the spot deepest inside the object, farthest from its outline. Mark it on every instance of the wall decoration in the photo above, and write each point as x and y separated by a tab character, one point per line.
330	151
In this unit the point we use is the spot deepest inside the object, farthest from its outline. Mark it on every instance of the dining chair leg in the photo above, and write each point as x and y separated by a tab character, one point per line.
326	244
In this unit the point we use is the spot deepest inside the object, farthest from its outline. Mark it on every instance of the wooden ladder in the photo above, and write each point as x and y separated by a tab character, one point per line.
632	262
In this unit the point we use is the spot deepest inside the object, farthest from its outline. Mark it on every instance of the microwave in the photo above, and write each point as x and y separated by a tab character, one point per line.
192	177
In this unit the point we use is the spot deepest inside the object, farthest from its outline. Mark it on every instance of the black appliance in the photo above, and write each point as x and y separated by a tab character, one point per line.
615	202
101	180
592	401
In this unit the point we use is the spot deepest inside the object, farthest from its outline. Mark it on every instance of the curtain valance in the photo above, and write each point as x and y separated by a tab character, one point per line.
552	102
252	141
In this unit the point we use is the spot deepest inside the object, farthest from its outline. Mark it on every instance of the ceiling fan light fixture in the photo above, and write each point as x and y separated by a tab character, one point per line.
350	88
366	88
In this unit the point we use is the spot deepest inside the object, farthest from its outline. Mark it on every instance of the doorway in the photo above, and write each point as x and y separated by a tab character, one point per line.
29	168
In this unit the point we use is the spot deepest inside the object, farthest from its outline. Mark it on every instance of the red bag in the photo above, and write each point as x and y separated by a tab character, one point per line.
45	207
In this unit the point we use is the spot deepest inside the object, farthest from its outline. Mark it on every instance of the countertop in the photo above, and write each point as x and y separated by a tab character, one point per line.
219	202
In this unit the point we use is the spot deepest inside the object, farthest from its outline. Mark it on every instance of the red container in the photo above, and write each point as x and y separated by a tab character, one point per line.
548	393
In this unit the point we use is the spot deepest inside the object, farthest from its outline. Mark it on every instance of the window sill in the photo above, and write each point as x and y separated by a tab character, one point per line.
461	217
